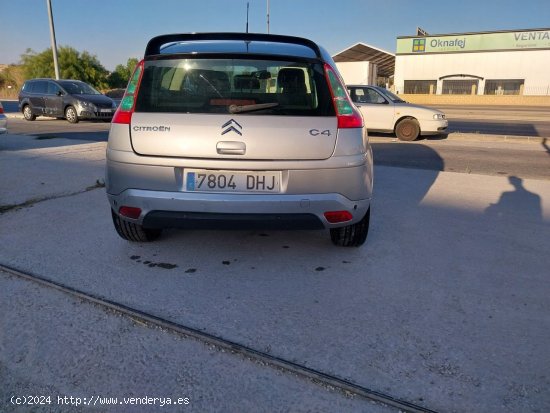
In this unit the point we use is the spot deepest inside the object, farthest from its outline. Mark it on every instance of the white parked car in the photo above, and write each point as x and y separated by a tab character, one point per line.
3	121
385	112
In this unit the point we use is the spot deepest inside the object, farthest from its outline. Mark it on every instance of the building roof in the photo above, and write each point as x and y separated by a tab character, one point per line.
468	33
362	52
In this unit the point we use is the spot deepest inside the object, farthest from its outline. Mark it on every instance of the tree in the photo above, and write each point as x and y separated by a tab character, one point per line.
119	78
11	80
72	65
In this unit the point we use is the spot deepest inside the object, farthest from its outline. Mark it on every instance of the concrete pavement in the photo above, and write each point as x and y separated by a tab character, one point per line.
46	168
445	306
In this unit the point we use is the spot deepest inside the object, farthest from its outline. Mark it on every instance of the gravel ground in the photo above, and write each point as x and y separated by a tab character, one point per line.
54	345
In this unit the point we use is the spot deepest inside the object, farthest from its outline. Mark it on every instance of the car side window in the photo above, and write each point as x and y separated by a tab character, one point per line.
40	87
360	96
373	96
366	95
53	88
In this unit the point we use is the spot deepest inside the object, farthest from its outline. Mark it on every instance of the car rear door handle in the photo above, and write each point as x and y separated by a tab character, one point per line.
231	148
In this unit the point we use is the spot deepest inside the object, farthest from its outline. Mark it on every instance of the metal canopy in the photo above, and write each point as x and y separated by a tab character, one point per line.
362	52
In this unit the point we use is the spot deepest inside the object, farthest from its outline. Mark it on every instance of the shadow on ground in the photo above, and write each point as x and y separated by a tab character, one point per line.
493	128
407	156
13	142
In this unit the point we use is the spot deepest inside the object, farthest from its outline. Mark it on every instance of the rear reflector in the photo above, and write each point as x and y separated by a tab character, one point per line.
122	117
130	212
335	217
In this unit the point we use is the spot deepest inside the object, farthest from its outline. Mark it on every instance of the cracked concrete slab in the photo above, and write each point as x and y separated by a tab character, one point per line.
33	169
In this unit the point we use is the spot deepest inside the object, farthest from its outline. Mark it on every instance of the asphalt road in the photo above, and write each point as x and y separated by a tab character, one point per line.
499	120
49	128
458	153
467	155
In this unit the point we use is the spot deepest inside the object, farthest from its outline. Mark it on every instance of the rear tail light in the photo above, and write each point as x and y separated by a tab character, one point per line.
335	217
1	109
126	108
347	113
130	212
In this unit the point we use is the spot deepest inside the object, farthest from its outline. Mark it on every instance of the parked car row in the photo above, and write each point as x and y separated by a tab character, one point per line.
75	100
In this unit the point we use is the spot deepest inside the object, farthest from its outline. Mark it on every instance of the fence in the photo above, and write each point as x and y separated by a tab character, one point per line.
472	87
519	100
474	92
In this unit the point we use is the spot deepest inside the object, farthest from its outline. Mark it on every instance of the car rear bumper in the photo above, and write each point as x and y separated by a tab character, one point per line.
214	210
216	221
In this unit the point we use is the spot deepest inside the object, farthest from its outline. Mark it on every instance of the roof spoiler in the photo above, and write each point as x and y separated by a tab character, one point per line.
155	44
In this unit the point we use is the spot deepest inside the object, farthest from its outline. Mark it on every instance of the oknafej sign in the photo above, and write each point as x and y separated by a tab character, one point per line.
536	39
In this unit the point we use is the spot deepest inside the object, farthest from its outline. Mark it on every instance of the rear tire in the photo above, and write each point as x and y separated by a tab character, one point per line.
407	130
27	113
134	232
353	235
70	115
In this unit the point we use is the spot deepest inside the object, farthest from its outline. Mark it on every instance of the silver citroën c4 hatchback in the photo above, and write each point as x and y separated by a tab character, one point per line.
234	130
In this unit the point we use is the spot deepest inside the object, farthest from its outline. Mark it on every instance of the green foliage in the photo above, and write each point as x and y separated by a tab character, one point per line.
11	80
75	65
122	73
72	65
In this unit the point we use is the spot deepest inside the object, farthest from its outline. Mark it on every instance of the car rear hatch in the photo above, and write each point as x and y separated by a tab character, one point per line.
229	136
244	107
240	95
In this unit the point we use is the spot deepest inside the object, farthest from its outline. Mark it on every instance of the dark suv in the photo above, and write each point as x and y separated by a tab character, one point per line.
70	99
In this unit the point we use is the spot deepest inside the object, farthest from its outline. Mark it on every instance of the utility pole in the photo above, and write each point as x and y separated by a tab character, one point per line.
52	38
247	7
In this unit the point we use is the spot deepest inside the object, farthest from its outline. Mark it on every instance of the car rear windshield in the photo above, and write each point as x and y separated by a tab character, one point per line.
266	87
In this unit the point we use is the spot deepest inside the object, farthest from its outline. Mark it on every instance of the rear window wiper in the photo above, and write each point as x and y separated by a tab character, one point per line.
250	108
211	85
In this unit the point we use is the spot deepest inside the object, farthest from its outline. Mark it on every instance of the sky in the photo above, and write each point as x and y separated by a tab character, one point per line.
115	30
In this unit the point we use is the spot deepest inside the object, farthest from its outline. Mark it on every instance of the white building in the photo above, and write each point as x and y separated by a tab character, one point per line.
484	63
363	64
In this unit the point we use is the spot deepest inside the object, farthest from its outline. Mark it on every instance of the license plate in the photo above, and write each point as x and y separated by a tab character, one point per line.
199	180
105	110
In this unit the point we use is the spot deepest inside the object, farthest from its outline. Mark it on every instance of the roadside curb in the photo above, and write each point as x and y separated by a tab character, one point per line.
472	137
495	138
12	115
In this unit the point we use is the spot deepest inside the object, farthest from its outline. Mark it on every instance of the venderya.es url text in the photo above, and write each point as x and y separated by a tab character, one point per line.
95	400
